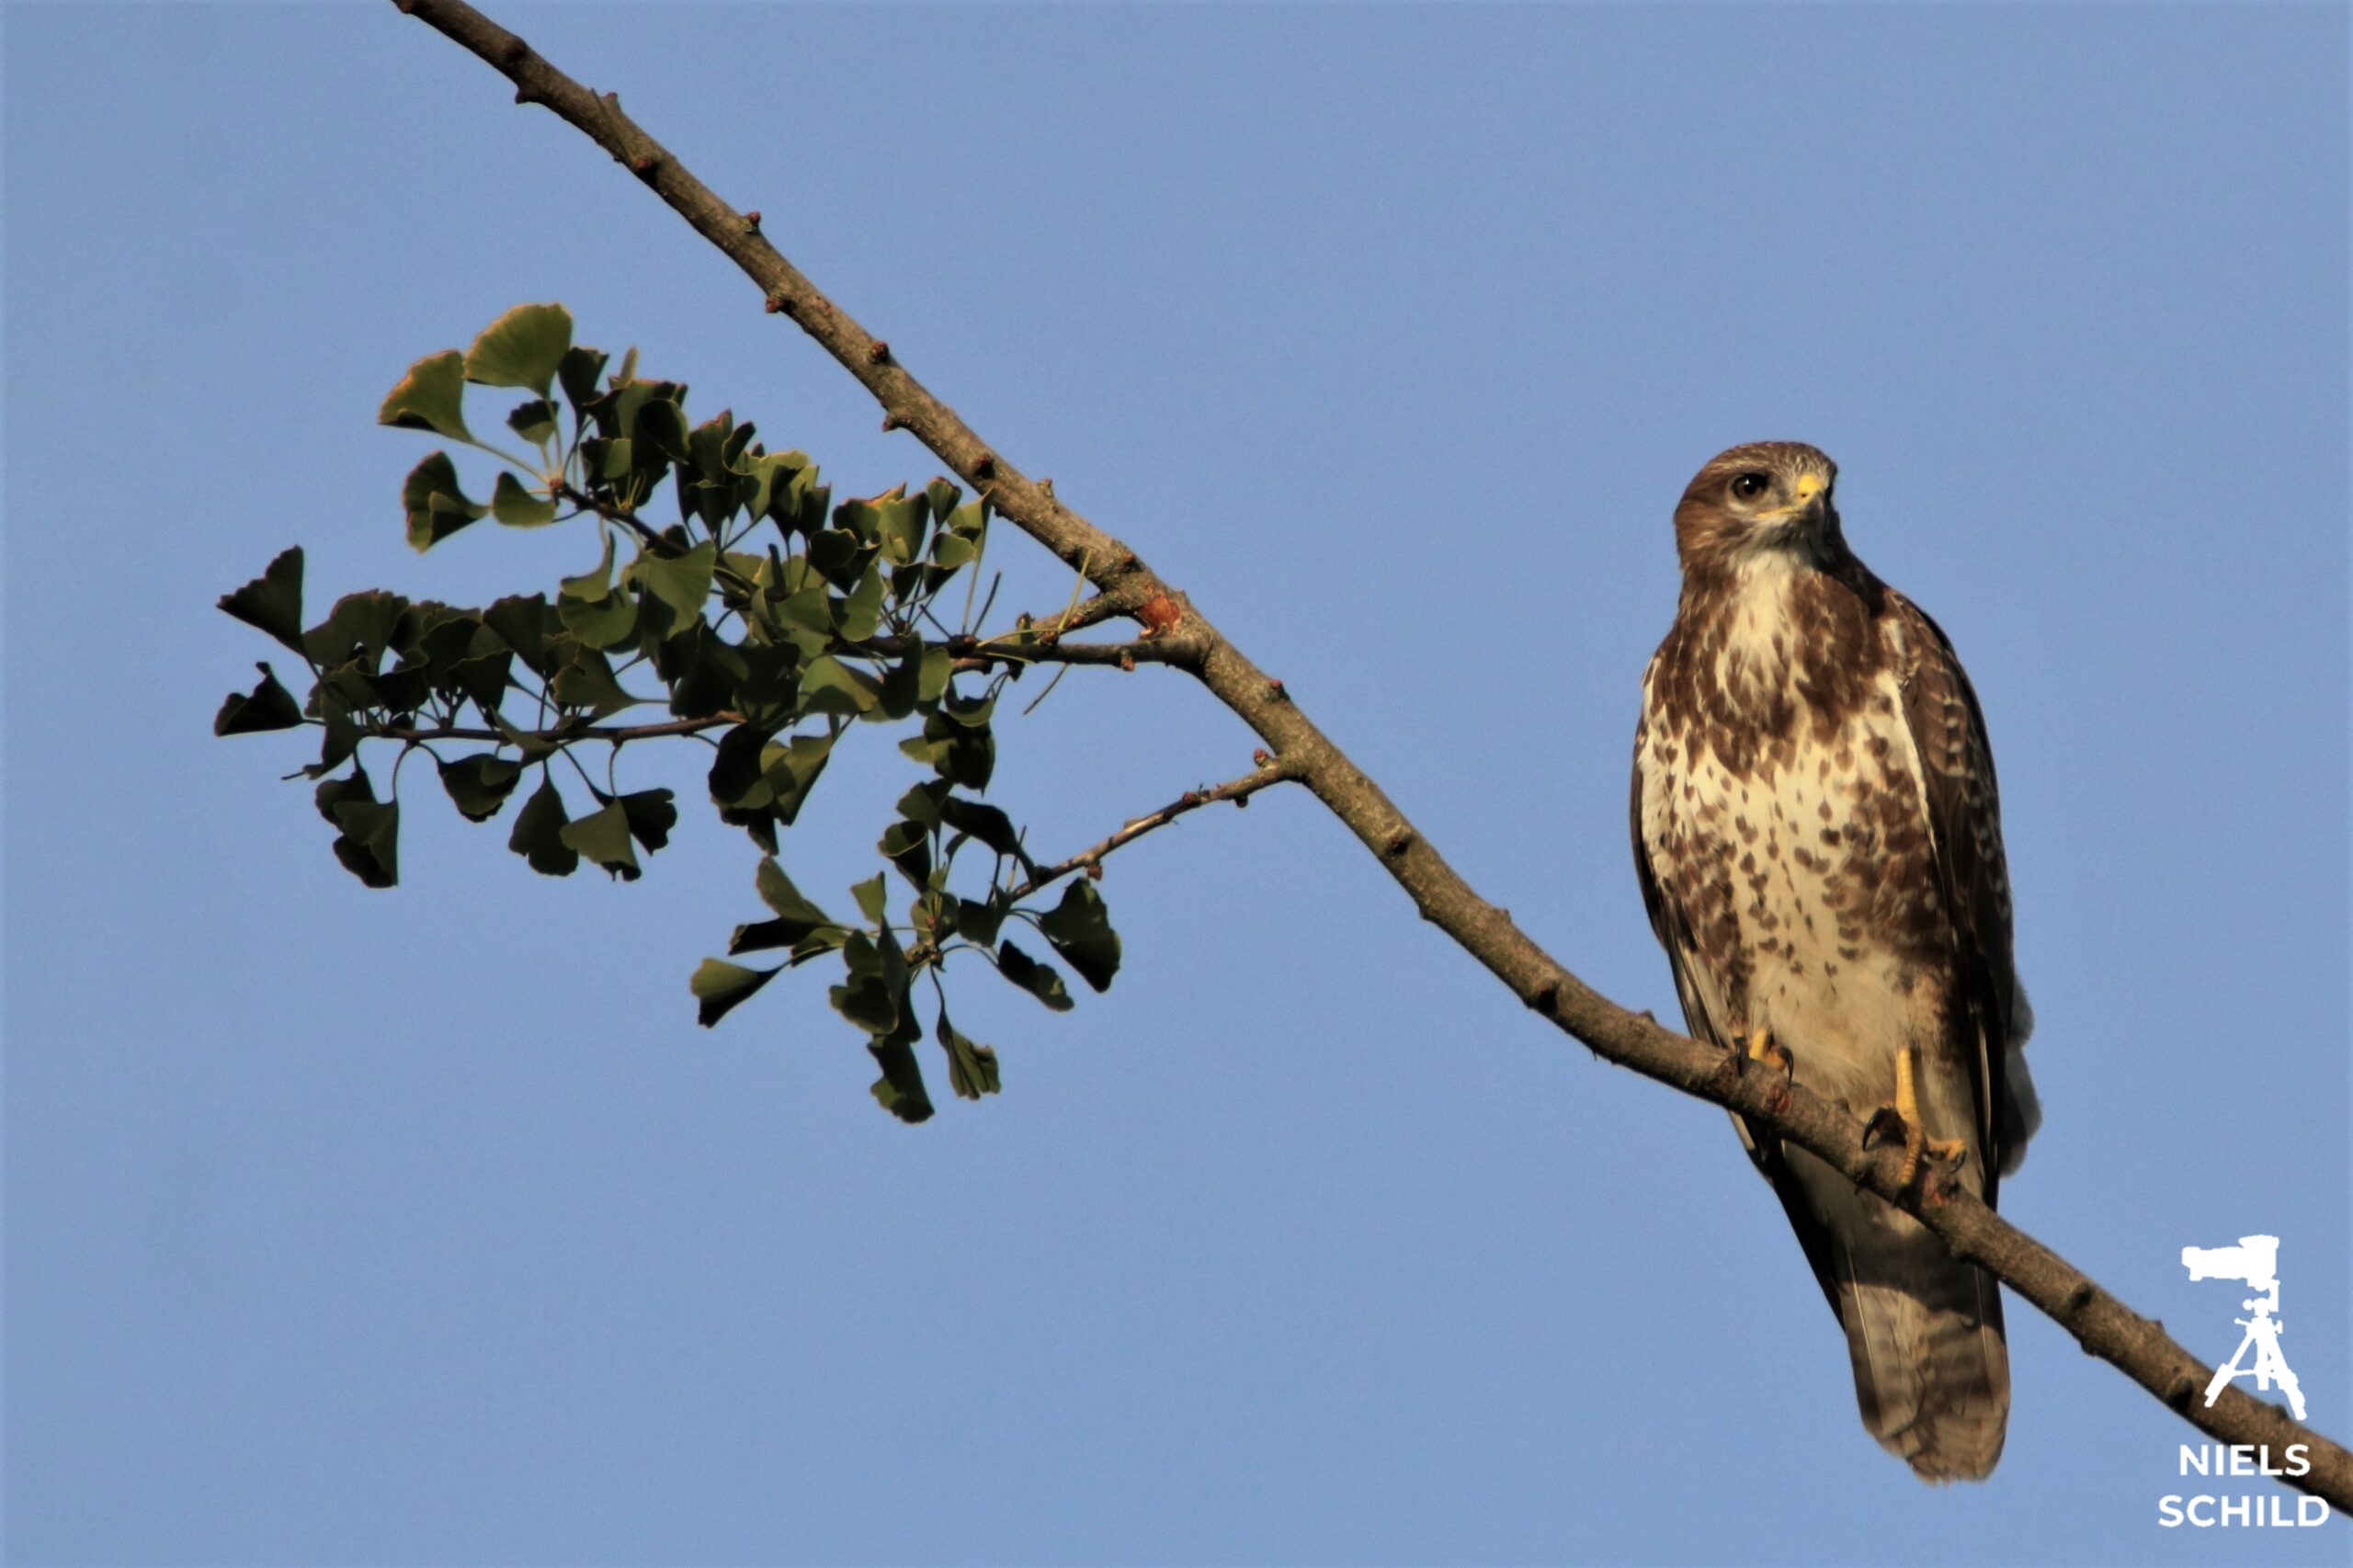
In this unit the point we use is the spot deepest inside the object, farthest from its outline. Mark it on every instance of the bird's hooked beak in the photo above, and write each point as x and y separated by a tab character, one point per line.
1809	504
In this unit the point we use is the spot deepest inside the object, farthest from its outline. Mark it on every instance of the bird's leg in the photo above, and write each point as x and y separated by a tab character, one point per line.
1758	1045
1909	1125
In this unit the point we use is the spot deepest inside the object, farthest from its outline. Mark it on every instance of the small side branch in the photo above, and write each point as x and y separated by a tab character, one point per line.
636	525
975	653
1092	612
1270	772
617	734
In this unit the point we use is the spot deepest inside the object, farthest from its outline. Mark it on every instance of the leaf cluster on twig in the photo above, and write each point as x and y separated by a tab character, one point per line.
766	620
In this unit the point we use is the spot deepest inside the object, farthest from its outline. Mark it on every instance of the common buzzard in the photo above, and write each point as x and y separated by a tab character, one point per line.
1819	841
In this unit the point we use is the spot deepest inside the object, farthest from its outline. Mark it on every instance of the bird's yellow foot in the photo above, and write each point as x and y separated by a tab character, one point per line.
1761	1046
1902	1121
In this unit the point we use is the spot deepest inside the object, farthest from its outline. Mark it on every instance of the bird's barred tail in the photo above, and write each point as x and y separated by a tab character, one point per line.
1932	1372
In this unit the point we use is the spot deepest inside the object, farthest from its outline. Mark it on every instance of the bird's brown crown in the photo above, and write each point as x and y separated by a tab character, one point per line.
1759	496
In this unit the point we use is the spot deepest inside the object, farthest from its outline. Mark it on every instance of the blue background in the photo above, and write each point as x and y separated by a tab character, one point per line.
424	1226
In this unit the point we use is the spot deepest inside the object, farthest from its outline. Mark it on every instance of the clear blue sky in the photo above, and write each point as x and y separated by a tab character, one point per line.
424	1226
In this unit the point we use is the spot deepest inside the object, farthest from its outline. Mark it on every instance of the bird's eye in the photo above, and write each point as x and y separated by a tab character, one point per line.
1749	486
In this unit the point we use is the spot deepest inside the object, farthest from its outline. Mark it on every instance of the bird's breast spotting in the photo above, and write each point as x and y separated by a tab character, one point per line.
1784	814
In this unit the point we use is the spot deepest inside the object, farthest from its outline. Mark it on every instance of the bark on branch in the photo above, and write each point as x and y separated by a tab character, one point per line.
2104	1325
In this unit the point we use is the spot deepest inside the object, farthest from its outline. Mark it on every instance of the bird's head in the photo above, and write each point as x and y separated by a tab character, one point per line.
1757	499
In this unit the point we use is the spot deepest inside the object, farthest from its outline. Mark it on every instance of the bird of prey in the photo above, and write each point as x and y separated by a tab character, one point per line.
1819	841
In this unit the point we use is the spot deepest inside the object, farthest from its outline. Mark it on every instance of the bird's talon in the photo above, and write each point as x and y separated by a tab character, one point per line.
1885	1126
1905	1114
1762	1047
1889	1125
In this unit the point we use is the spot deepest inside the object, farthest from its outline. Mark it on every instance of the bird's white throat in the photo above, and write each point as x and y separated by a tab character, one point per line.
1761	634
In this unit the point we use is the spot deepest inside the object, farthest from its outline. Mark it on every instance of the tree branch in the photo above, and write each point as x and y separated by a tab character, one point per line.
1095	609
974	652
2102	1324
617	734
1270	772
644	531
1042	640
1239	790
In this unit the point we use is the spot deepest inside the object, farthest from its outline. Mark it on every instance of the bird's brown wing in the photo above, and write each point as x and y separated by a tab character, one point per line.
1965	823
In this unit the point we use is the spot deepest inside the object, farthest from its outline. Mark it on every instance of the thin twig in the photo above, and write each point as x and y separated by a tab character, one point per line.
1096	609
973	653
1239	790
1270	771
645	531
617	734
1040	642
2102	1324
667	549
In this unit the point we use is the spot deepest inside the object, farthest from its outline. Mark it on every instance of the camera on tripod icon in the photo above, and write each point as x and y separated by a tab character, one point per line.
2255	1260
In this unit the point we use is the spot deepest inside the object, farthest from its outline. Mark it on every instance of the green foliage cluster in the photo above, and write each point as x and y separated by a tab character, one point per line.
773	622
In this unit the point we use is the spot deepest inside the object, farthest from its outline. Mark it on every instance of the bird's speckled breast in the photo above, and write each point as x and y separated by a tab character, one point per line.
1786	820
